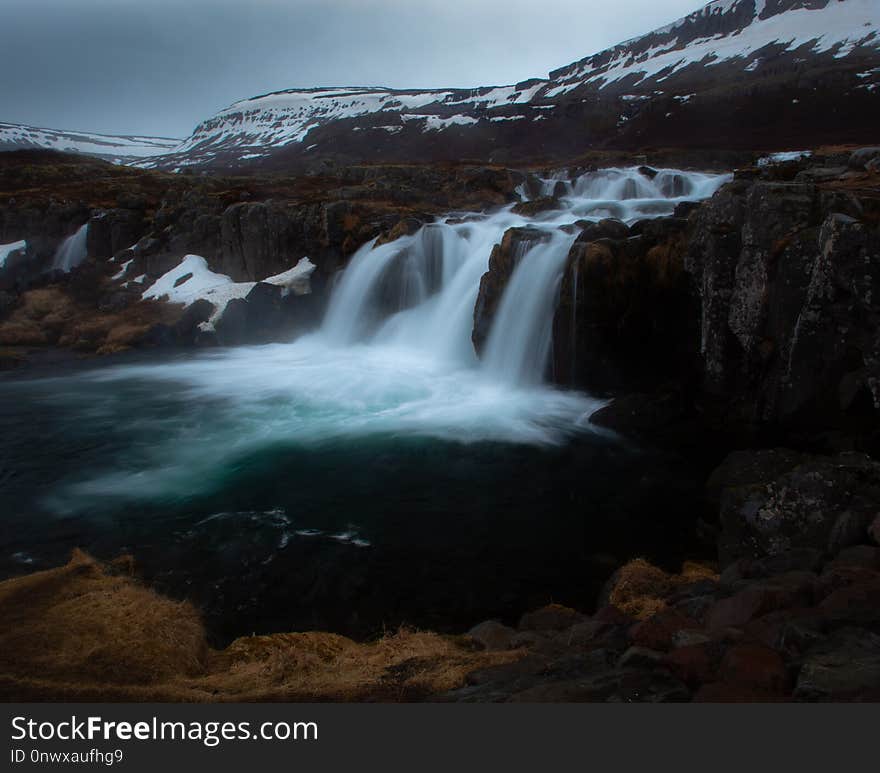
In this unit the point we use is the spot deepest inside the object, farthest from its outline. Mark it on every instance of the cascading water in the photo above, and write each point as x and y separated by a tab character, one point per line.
393	357
72	251
420	290
519	341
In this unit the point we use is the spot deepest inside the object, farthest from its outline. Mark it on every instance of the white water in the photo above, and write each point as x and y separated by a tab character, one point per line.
394	356
72	251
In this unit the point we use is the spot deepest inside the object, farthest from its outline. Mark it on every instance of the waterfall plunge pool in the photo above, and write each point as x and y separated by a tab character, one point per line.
370	474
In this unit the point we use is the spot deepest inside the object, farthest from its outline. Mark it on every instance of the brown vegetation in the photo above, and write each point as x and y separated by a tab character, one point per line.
51	316
640	589
87	631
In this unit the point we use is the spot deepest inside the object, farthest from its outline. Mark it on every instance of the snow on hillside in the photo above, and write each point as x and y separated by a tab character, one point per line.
255	126
839	27
741	34
192	280
18	136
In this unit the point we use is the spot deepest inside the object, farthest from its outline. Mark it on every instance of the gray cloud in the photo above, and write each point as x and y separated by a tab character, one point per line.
160	66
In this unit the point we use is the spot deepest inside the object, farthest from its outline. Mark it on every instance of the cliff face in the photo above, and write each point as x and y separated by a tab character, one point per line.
142	223
760	304
787	274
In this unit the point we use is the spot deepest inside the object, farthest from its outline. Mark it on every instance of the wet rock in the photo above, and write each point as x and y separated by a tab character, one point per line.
860	158
784	592
823	503
785	273
492	635
658	631
114	230
625	320
607	228
198	312
640	413
689	637
796	560
726	692
684	208
820	174
407	226
232	326
694	664
640	657
553	617
857	603
533	640
648	686
844	666
865	556
755	666
504	259
536	206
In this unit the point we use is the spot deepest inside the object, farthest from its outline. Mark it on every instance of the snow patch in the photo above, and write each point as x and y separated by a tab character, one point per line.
218	289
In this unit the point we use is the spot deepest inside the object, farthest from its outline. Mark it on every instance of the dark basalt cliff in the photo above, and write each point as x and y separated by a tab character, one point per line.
761	304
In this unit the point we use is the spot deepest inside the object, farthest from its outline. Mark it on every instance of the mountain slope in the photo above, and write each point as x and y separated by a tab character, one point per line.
747	73
112	148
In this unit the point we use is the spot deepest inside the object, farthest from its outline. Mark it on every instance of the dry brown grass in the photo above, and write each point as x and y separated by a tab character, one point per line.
85	632
640	589
50	316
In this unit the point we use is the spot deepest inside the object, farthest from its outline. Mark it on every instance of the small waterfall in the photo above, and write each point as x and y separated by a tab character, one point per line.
519	342
72	251
419	291
573	333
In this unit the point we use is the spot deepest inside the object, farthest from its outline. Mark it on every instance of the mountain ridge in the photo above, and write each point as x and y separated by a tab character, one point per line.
626	96
739	74
117	148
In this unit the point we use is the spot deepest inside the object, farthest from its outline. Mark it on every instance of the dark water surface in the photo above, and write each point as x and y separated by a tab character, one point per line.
274	507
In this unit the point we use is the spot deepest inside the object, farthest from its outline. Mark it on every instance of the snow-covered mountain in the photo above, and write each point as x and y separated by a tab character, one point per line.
117	149
746	34
772	74
730	62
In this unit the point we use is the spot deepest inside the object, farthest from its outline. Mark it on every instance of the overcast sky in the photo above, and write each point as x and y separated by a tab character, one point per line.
158	67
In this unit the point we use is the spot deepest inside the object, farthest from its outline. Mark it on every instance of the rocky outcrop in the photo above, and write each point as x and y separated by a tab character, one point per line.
268	313
774	501
787	276
625	315
504	259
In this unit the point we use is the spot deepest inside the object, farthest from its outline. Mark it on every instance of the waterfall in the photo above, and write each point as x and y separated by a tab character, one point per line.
418	292
394	356
72	251
573	334
519	341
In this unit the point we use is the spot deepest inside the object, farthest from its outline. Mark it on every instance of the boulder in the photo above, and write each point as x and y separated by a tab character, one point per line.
846	665
814	502
694	664
492	635
755	666
859	159
553	617
536	206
